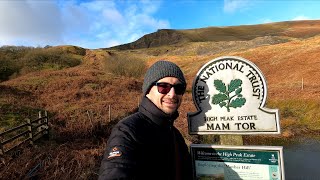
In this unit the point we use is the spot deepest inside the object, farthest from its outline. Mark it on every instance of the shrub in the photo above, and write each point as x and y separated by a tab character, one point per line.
7	68
125	65
39	59
9	56
15	60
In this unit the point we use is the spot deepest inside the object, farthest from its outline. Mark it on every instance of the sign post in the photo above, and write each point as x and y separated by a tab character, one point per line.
230	94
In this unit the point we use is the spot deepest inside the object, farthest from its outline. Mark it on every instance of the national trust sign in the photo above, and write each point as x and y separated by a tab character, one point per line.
229	94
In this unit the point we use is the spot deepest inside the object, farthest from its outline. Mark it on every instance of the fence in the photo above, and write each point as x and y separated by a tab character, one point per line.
35	129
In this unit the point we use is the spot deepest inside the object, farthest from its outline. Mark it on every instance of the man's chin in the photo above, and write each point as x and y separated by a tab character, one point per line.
170	110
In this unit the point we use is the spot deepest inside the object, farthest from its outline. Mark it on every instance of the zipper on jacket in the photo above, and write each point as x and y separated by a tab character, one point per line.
170	125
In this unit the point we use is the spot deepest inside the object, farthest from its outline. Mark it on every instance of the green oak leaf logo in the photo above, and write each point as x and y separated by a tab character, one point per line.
229	97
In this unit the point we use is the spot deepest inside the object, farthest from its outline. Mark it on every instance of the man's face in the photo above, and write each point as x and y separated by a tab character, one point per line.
169	102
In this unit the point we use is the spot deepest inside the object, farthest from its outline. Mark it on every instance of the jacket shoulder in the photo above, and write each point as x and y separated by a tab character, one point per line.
119	157
131	123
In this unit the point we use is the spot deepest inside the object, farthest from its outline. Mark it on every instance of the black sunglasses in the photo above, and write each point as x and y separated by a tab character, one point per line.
164	88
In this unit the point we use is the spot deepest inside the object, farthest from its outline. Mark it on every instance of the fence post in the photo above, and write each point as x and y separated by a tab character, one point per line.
1	148
109	113
30	131
46	119
39	122
46	125
1	151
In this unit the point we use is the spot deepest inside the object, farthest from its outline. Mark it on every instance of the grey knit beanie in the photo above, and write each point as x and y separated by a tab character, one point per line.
159	70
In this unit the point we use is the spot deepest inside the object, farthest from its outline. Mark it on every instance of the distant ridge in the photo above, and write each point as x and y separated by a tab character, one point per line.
156	39
162	37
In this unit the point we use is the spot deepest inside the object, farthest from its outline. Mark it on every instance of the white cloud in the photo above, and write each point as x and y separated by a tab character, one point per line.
111	43
230	6
149	6
98	5
74	16
27	21
113	16
301	17
93	24
267	21
146	20
134	20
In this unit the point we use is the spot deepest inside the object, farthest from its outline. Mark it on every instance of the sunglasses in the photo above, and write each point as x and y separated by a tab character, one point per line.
164	88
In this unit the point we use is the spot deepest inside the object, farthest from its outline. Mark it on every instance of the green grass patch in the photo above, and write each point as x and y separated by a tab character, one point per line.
12	116
305	112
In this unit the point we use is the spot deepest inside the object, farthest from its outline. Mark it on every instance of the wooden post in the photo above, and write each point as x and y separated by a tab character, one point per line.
1	151
302	84
30	131
90	118
46	125
235	140
109	113
39	122
46	121
1	148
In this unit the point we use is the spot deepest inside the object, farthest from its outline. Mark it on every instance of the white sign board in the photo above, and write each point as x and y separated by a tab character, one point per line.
229	94
237	162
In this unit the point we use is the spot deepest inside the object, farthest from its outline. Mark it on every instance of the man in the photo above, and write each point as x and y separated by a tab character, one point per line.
146	145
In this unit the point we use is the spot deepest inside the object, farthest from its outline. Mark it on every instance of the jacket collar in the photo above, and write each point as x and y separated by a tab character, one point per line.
155	114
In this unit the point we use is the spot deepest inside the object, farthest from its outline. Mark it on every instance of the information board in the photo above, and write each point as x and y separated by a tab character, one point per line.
237	162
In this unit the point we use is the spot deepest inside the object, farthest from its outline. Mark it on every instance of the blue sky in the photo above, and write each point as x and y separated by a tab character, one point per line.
100	24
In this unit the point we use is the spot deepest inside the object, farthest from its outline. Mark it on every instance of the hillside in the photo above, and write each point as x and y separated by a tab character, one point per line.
285	30
78	97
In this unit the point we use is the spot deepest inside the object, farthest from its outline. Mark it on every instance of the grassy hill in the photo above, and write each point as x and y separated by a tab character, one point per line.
285	30
78	97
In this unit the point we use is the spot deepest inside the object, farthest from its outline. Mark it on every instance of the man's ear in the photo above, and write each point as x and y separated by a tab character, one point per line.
148	91
148	94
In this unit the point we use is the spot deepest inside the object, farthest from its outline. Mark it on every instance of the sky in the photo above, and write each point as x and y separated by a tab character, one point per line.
94	24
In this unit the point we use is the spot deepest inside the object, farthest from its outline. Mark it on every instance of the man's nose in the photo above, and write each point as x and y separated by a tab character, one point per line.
172	92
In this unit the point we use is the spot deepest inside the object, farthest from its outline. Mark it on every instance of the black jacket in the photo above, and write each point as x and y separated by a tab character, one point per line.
146	145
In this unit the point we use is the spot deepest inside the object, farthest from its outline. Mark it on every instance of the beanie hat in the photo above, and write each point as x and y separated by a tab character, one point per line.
159	70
